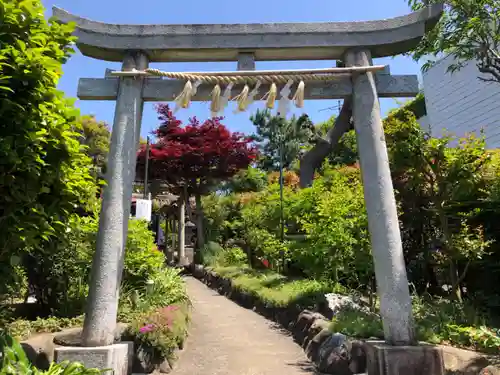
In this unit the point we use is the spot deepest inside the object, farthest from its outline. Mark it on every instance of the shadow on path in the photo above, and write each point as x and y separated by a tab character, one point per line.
227	339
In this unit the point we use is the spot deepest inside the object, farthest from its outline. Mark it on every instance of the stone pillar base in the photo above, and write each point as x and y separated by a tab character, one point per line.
183	261
384	359
117	357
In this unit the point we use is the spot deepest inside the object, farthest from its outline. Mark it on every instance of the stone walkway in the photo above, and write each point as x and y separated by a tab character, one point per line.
227	339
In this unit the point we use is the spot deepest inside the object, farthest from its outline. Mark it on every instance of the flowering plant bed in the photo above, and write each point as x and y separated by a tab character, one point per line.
159	334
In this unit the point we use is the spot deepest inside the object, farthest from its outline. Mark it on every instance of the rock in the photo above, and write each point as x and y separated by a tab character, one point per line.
337	355
198	270
142	363
317	326
40	350
338	302
464	362
490	370
333	355
164	367
304	322
357	357
312	348
69	337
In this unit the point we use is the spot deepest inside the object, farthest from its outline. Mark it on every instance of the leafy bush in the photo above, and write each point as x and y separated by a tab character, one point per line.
229	256
159	316
15	362
143	260
21	329
233	256
437	321
44	174
330	216
60	280
210	253
266	245
167	288
356	323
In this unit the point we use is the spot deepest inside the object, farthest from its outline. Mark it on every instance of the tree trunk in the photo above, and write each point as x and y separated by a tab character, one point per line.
313	159
200	232
456	292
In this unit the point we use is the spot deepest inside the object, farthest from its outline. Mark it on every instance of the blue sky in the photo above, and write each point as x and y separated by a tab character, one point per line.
222	11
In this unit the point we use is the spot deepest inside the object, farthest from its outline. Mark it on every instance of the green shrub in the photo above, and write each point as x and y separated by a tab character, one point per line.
16	362
437	321
21	329
143	260
210	252
167	288
44	174
230	256
359	324
266	245
60	280
233	256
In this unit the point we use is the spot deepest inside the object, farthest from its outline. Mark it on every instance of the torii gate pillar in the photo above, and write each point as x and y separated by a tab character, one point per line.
383	223
400	352
107	265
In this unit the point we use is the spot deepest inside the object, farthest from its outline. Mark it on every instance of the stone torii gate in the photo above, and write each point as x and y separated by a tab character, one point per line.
355	43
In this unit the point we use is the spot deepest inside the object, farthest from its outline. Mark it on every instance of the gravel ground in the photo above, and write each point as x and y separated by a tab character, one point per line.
226	339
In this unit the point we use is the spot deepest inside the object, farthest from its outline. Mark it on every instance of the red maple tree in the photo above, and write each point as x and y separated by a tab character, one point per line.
194	157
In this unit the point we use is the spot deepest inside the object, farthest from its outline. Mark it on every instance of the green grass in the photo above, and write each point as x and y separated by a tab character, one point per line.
275	289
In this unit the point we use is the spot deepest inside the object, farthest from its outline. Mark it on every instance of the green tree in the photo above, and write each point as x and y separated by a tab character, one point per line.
275	133
468	30
433	180
96	136
44	172
246	180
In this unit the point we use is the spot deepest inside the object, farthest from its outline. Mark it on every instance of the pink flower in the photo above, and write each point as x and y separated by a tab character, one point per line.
147	328
168	309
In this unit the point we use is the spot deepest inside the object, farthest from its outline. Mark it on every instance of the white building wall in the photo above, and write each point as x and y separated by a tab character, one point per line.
461	103
424	123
